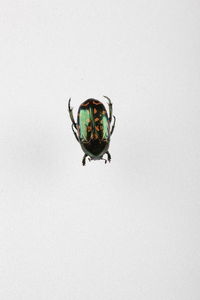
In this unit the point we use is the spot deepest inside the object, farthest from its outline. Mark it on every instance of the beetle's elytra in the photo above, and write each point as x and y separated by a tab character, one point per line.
93	128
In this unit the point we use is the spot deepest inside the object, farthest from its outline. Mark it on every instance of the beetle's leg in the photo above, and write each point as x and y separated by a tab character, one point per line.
109	156
71	113
104	159
110	108
84	158
113	127
75	134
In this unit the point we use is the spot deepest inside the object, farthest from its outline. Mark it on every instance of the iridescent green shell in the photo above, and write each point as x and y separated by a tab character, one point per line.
93	128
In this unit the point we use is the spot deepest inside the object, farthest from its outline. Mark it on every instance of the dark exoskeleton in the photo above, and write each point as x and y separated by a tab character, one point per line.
93	128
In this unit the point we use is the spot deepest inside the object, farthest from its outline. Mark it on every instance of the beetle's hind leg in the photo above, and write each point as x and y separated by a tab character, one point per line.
84	159
110	108
71	114
113	127
109	156
104	160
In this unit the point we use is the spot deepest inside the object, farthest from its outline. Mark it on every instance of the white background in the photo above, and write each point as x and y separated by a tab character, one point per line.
128	230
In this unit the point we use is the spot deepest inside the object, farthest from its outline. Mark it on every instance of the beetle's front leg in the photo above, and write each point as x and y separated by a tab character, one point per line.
71	114
113	127
110	108
109	156
84	159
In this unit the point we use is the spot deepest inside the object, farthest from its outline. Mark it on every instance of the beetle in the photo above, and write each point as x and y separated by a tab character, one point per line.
93	128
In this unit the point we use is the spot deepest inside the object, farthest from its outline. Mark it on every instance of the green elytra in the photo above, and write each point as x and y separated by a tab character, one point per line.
86	120
92	129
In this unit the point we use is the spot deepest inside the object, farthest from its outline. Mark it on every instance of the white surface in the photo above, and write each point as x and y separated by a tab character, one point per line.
128	230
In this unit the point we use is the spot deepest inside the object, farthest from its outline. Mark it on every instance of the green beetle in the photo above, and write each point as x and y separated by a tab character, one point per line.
93	128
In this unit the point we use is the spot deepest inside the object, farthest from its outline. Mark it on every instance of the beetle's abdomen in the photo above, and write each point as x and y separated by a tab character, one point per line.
95	147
